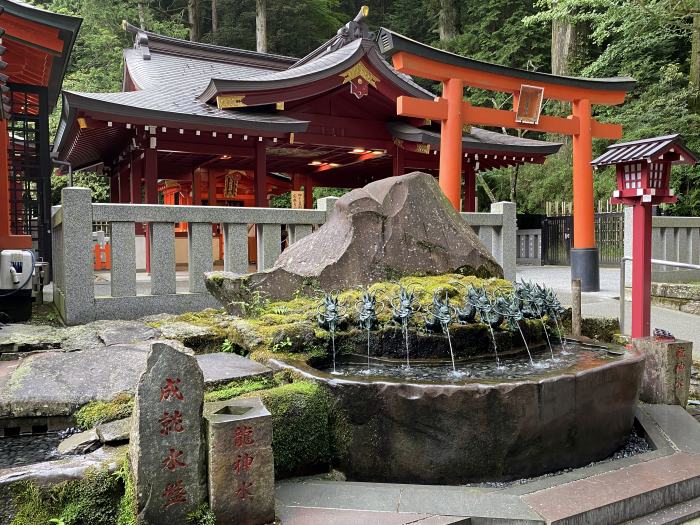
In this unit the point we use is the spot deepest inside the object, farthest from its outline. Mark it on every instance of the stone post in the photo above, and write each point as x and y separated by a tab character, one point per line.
240	465
504	242
166	447
77	304
326	204
667	370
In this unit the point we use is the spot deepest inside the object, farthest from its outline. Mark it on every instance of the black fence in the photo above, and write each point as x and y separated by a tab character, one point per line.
558	237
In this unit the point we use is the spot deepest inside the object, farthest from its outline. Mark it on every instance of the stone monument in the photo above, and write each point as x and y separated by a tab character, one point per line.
241	473
166	447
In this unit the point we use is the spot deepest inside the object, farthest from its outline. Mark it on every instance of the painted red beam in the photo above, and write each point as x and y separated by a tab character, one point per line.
427	68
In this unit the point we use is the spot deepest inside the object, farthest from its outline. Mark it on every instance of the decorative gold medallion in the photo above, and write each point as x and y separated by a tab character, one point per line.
360	78
423	148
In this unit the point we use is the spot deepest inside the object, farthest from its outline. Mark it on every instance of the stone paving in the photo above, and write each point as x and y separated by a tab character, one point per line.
96	361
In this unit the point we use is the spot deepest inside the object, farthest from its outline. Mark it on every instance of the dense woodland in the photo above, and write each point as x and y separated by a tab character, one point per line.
655	41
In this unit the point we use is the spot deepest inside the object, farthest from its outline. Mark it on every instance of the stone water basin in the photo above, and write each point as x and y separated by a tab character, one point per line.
429	426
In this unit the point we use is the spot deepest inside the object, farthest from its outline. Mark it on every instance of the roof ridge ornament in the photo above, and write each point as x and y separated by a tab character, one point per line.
140	39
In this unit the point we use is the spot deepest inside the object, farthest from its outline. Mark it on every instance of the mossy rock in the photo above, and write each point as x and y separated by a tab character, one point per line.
97	412
301	436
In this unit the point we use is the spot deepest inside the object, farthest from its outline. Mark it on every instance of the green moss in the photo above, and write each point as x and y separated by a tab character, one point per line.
92	500
96	412
126	511
301	432
237	388
202	516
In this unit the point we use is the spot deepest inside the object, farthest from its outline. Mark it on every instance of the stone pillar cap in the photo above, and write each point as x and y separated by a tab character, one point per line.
235	410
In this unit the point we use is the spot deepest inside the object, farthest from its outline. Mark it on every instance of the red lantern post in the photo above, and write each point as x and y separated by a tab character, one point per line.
643	170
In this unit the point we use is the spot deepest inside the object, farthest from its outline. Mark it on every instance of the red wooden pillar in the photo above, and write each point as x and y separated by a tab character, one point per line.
136	172
150	162
398	164
196	187
641	271
261	175
114	187
7	239
450	178
150	168
211	188
308	192
124	186
469	193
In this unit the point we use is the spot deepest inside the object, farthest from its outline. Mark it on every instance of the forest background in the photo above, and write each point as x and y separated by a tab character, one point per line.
655	41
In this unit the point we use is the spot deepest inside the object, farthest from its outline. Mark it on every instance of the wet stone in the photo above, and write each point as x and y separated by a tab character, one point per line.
114	431
166	445
240	462
81	443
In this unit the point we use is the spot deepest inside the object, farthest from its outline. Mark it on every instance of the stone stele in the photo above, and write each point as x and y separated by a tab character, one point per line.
166	448
391	228
667	372
241	471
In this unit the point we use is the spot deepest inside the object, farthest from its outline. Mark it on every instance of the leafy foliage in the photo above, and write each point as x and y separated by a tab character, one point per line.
97	184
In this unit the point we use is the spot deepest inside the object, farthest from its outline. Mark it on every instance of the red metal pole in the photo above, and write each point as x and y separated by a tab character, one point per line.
641	271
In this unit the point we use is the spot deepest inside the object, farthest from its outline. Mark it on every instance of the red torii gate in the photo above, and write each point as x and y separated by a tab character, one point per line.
529	88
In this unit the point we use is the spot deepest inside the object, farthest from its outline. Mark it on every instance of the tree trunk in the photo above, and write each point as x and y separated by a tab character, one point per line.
695	58
214	21
193	19
514	183
568	41
261	25
488	191
142	14
448	24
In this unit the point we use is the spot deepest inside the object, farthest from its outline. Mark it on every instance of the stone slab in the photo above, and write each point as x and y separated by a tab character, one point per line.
125	332
223	367
667	370
480	504
315	516
58	383
114	431
622	494
678	425
80	443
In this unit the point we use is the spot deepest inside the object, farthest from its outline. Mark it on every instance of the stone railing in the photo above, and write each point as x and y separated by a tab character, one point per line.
74	279
529	249
674	239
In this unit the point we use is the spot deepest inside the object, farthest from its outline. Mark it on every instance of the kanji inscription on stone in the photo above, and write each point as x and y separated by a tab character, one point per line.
166	448
240	463
666	371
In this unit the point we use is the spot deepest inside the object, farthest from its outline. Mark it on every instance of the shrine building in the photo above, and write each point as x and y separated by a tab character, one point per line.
204	124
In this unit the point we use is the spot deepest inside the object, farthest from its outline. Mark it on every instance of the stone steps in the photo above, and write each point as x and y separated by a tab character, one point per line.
676	514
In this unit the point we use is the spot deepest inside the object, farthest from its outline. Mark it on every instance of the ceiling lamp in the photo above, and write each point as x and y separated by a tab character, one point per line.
358	151
315	163
225	157
378	152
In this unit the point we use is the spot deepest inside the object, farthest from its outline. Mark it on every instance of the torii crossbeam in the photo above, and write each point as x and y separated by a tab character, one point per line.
455	72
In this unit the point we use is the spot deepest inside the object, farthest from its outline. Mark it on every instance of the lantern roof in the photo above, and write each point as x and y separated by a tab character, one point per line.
669	148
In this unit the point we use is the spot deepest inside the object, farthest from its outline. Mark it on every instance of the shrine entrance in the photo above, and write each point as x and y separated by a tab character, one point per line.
529	89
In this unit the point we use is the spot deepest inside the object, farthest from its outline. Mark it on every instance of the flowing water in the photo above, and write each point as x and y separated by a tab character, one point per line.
525	343
495	347
511	367
446	329
332	330
546	333
404	328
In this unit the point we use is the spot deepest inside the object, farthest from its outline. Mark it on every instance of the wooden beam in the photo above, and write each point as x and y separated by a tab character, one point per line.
207	149
422	108
341	141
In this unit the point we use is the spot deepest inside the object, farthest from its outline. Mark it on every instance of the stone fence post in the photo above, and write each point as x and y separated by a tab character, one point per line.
504	242
75	253
326	204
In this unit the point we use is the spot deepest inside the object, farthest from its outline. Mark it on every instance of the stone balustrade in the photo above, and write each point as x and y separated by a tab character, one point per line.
674	239
74	278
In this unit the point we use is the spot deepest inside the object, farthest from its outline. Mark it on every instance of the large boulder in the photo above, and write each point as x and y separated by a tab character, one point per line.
391	228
